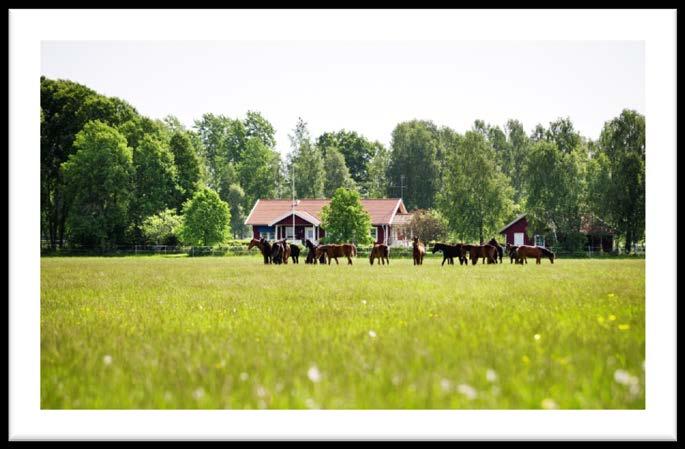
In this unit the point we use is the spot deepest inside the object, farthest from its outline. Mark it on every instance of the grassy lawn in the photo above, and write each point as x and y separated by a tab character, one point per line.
228	332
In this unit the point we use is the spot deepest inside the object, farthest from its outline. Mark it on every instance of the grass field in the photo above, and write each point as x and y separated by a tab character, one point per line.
228	332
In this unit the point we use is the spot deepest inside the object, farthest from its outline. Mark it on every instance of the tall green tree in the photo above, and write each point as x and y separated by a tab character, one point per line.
236	199
475	196
258	172
187	166
256	126
514	160
206	219
307	162
357	152
555	186
345	219
65	108
414	156
618	181
98	186
378	168
154	179
337	174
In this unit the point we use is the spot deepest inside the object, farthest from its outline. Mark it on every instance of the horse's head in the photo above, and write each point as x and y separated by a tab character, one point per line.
436	248
253	243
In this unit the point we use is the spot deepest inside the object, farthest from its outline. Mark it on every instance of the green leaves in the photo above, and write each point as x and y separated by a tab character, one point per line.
205	219
345	220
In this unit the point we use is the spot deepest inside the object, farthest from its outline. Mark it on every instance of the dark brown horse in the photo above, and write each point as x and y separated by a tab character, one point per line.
311	258
294	252
380	252
419	251
263	246
280	252
499	250
333	251
511	251
449	252
475	252
525	251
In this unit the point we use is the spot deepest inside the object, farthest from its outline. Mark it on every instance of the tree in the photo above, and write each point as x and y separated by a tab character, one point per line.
154	179
357	152
98	186
187	166
555	186
428	225
236	199
414	156
162	228
258	127
476	195
337	174
345	219
206	219
620	170
65	108
307	162
378	167
514	161
258	172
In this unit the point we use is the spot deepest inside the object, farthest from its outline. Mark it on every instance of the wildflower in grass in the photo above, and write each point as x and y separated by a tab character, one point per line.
445	385
261	391
310	403
549	404
168	396
396	379
199	393
536	337
525	359
314	374
611	295
623	377
244	376
468	391
372	334
624	327
107	360
600	319
612	317
364	301
491	375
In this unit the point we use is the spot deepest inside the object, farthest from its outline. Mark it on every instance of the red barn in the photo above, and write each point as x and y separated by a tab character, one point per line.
515	232
273	219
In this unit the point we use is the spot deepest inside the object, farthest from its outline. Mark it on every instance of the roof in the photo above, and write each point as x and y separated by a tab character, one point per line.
300	213
590	224
519	217
266	212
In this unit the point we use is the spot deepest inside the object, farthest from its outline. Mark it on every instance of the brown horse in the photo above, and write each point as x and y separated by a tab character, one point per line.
280	252
333	251
499	251
475	252
380	252
511	250
419	251
312	250
263	246
525	251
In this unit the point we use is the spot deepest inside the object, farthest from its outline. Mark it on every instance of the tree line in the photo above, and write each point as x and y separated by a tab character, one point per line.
110	175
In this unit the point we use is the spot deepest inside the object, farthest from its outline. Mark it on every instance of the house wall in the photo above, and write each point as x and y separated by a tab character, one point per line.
288	221
258	229
380	234
519	226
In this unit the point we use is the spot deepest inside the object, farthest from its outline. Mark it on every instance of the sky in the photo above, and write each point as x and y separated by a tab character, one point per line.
367	87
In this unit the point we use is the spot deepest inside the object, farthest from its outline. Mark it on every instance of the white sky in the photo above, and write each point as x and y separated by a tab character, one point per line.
368	87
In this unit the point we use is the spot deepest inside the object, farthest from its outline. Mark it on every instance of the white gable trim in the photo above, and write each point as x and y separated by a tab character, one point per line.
394	211
303	215
250	214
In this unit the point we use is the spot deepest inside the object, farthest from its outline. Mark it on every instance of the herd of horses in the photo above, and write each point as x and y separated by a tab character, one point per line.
492	252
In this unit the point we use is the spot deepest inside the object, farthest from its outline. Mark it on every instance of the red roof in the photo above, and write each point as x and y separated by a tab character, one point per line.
381	211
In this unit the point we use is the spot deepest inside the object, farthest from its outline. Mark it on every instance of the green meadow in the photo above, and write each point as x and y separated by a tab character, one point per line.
177	332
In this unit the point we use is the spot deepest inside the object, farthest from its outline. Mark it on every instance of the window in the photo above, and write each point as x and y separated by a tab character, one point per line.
266	235
374	233
309	233
539	240
289	234
518	238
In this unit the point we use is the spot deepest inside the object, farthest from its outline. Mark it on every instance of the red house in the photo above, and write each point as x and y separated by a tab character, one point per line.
515	232
273	219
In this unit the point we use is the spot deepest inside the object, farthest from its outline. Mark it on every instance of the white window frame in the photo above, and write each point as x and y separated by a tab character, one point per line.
374	233
309	233
291	235
541	238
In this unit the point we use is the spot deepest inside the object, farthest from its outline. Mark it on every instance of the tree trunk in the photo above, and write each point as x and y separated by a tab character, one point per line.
629	241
